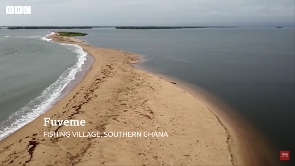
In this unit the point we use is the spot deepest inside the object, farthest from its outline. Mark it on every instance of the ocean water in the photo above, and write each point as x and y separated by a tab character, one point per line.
34	73
250	69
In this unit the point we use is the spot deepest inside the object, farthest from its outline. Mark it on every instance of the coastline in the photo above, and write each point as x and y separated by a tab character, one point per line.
146	98
49	94
257	150
236	144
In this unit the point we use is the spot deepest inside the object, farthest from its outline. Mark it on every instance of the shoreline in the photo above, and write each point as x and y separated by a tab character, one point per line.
59	110
68	86
241	132
234	143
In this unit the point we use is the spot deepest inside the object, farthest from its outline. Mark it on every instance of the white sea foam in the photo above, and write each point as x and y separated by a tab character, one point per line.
45	38
7	36
47	98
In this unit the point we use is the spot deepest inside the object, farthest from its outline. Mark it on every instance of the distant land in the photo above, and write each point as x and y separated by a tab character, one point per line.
117	27
71	34
123	27
49	27
167	27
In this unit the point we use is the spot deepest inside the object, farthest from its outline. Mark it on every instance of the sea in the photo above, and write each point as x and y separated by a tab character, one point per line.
251	69
34	74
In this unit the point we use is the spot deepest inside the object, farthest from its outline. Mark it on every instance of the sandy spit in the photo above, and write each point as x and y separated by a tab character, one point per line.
114	96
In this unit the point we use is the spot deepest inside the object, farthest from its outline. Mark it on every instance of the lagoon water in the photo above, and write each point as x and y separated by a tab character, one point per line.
250	69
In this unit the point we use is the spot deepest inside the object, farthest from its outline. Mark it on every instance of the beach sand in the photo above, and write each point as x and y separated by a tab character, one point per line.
115	96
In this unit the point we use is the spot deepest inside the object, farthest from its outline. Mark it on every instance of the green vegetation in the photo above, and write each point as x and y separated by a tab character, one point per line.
70	34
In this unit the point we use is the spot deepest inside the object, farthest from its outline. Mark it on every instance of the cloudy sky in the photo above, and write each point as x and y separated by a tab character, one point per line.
151	12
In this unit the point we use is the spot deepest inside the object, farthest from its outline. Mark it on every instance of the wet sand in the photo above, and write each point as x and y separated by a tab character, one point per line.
244	138
114	96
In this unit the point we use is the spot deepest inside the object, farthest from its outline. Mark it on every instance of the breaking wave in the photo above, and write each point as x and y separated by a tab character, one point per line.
46	99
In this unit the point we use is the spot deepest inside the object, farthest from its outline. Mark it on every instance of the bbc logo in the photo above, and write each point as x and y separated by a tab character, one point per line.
18	10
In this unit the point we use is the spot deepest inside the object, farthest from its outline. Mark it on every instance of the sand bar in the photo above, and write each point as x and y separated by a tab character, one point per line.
114	96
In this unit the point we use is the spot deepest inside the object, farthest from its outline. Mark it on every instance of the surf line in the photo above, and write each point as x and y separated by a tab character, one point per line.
71	122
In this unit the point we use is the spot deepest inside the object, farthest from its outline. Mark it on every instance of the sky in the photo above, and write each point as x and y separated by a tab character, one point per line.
151	13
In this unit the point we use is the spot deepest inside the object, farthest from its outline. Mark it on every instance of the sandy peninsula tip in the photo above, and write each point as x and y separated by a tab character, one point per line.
116	97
